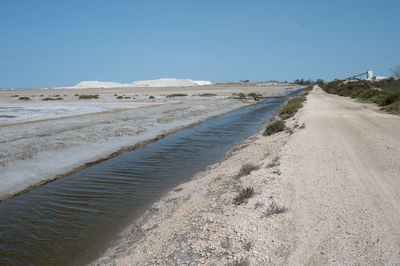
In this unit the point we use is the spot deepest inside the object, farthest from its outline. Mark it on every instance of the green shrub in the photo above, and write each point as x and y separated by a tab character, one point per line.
253	94
24	98
151	97
274	127
242	95
89	96
291	107
394	107
120	97
388	98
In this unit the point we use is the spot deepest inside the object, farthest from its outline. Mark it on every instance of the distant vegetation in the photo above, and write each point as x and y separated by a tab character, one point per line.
385	93
242	95
176	95
308	82
208	94
89	96
52	99
24	99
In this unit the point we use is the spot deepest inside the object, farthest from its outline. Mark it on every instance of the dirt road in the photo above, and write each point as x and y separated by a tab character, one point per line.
343	172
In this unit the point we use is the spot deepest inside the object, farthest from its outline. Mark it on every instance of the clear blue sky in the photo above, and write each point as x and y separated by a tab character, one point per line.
59	43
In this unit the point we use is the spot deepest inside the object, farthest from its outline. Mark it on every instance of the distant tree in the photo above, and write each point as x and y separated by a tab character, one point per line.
303	82
396	71
319	81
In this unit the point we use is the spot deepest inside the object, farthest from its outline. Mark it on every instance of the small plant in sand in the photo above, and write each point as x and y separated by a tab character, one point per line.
120	97
96	96
275	162
247	245
24	98
274	127
240	262
273	208
243	195
246	169
151	97
226	243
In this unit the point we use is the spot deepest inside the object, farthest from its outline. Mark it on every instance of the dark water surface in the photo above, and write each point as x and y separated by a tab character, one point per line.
62	221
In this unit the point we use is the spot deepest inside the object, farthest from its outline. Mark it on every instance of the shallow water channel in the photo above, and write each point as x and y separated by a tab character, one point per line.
68	219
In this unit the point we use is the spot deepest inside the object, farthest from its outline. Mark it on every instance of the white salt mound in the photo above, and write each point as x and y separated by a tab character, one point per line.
167	82
99	84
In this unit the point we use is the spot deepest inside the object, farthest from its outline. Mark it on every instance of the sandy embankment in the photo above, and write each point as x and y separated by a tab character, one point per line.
43	140
337	177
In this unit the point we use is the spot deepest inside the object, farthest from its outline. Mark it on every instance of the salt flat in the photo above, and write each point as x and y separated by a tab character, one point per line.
43	140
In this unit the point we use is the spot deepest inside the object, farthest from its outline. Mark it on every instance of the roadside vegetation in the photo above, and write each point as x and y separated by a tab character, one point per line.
384	93
243	195
246	169
292	106
273	209
274	127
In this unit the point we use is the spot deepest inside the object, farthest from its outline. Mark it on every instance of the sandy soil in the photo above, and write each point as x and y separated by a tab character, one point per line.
327	192
44	140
